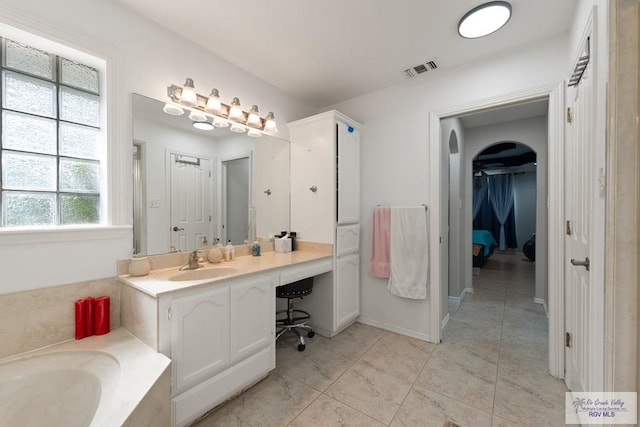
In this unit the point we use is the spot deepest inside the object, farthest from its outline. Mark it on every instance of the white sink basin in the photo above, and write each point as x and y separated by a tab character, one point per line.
203	273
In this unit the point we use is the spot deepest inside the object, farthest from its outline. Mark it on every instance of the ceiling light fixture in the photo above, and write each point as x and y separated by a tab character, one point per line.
484	19
235	127
253	133
201	108
203	125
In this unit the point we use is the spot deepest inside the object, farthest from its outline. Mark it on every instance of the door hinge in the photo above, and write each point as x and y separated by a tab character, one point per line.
567	340
569	115
568	228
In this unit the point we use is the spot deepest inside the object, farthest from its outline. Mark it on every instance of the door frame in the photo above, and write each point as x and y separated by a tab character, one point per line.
555	184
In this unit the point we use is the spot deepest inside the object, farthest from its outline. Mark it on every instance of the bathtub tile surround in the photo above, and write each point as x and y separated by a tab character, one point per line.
40	317
490	370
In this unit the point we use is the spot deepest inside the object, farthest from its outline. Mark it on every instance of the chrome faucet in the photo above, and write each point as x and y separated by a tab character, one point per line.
194	261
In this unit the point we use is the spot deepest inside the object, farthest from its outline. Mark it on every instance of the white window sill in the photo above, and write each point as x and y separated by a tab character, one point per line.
33	236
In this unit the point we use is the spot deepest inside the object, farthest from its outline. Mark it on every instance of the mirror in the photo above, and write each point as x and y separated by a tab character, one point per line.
191	184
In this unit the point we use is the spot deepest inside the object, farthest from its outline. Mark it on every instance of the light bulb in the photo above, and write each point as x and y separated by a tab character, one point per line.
189	96
254	117
254	133
270	123
213	103
219	123
235	112
197	116
237	128
172	109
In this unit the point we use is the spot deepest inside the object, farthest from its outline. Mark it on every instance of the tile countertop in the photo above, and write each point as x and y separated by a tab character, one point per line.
157	283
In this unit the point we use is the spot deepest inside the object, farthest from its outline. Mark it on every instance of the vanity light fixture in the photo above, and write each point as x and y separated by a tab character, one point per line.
204	125
173	109
201	108
253	133
220	123
235	112
189	96
235	127
484	19
197	116
270	123
254	117
213	102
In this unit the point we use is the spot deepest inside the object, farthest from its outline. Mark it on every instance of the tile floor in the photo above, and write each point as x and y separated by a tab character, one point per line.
489	370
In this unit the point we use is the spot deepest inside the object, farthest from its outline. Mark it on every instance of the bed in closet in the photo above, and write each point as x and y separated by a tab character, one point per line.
483	244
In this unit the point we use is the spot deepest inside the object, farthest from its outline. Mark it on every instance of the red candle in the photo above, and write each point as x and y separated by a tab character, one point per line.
101	315
88	317
79	319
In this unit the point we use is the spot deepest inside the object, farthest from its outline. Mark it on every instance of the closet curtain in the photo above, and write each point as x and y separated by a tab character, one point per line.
479	194
501	197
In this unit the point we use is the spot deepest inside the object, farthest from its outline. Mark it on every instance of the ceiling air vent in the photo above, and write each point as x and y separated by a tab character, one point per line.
421	68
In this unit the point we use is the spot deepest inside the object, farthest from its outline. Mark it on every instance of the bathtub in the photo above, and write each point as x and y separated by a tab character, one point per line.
98	381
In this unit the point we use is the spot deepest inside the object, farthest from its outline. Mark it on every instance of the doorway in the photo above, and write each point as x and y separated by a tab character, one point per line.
236	179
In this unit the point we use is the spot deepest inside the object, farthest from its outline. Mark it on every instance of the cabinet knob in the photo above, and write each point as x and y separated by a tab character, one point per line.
267	192
313	188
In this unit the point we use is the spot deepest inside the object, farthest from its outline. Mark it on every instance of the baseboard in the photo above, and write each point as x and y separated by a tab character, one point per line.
391	328
544	305
444	321
456	301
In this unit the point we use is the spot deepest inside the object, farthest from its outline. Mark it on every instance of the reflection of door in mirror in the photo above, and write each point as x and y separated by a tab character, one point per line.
139	201
236	175
190	200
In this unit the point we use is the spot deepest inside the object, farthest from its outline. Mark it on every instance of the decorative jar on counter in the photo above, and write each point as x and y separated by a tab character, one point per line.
139	266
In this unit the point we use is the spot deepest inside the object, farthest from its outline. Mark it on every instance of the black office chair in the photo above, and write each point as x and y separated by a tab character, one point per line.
292	322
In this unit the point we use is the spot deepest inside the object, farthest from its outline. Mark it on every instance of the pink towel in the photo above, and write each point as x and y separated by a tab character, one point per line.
379	256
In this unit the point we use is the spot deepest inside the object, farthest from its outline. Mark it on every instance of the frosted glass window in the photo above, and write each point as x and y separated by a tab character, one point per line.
29	60
79	209
79	107
28	133
51	142
79	175
79	141
28	94
78	75
28	209
22	171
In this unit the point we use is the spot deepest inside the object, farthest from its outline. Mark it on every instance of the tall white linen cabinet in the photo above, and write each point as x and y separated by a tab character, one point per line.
325	207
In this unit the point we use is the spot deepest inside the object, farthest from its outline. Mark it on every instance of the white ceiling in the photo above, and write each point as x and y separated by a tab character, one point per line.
328	51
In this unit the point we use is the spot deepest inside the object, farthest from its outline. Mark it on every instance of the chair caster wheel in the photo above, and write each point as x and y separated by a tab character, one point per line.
301	347
310	334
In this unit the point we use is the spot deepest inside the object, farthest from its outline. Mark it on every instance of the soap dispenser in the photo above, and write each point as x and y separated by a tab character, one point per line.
228	251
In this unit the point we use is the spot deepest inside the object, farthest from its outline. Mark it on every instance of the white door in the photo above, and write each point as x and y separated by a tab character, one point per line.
191	209
580	319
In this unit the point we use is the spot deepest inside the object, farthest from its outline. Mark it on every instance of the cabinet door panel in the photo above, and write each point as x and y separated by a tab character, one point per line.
348	174
199	336
347	290
252	317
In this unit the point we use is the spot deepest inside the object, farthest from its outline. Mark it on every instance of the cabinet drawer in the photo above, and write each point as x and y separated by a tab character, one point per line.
347	239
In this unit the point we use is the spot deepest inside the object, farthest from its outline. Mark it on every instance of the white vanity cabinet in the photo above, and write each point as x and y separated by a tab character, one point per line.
325	207
221	341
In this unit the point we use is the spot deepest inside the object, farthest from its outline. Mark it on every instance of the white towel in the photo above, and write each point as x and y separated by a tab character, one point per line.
409	252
